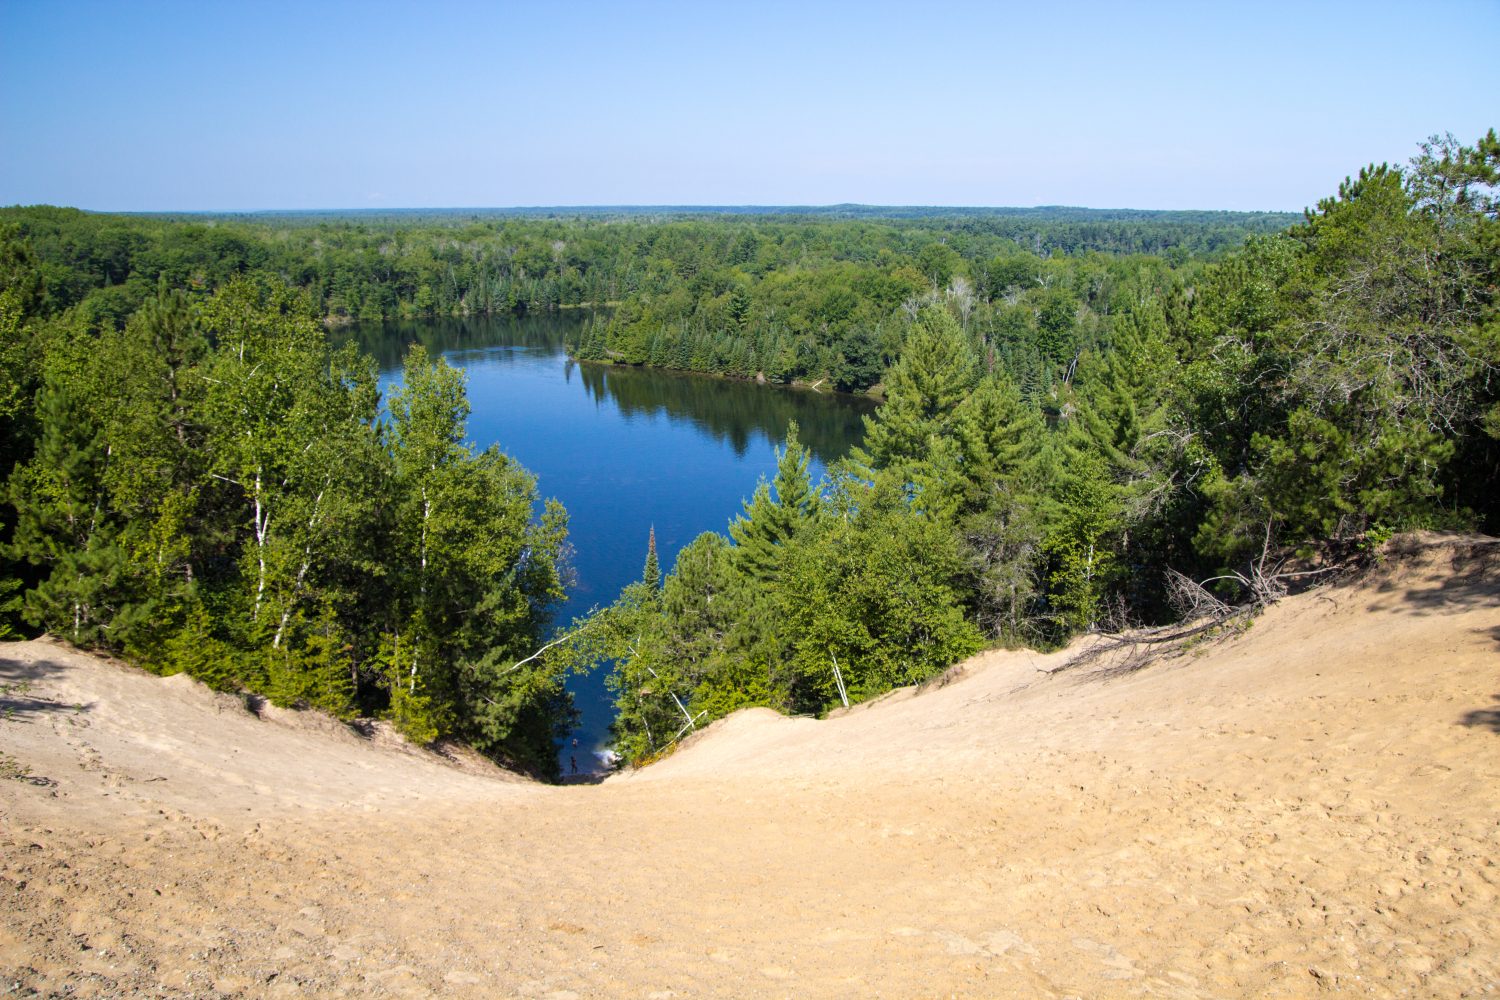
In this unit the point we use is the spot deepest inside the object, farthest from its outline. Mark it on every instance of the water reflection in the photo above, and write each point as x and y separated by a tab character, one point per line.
387	342
732	412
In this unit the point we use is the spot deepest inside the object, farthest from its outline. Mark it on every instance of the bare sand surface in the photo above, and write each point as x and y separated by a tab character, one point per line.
1310	807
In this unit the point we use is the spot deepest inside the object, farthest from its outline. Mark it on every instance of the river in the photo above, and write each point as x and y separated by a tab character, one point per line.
625	449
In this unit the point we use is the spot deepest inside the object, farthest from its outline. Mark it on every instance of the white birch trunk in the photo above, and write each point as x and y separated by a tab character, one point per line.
312	524
262	530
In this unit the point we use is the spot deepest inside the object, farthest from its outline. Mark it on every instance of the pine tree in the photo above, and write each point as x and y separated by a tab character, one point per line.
1081	543
937	369
997	432
64	526
194	649
651	574
999	515
775	513
20	303
699	604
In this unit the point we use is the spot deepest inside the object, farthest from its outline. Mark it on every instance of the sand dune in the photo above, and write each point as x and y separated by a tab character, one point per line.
1311	806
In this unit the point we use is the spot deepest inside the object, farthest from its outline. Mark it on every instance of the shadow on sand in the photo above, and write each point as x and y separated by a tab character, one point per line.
19	700
1484	718
1473	579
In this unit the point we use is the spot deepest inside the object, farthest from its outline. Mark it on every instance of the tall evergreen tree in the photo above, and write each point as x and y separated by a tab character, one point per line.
64	525
997	510
936	371
775	512
651	574
998	435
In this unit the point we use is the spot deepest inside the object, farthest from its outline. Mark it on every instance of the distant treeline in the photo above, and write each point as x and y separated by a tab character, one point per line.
786	294
389	264
844	322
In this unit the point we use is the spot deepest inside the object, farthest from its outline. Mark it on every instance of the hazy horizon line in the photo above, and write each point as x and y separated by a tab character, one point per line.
642	207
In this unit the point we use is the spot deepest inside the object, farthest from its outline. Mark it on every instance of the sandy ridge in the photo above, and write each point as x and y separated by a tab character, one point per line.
1309	807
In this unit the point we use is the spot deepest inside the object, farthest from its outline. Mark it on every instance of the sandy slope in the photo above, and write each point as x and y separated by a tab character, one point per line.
1314	806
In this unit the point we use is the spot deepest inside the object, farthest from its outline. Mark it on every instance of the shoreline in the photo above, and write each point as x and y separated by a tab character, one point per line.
759	379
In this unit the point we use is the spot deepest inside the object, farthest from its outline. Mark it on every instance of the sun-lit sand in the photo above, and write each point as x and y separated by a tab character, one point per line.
1311	806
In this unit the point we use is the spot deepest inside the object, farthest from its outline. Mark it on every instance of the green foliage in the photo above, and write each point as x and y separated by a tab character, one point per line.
875	587
936	371
739	684
195	650
64	527
650	713
729	266
316	672
1057	435
1345	367
1001	540
818	296
859	574
471	579
209	492
1079	542
10	607
1324	483
651	572
199	480
774	514
998	436
20	301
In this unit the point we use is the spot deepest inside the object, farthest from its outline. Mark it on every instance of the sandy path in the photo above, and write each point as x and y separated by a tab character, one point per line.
1310	807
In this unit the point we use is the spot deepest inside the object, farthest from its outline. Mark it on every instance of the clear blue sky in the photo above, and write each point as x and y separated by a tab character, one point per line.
252	105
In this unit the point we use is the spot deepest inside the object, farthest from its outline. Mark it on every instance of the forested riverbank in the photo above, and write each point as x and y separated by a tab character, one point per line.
788	294
1300	399
1080	411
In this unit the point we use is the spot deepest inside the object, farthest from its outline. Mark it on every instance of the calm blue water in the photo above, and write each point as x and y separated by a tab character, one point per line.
623	449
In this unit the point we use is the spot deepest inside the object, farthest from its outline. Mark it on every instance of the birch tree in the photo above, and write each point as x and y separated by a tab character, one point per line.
474	574
290	435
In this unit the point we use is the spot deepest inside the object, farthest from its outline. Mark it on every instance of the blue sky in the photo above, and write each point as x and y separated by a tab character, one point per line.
254	105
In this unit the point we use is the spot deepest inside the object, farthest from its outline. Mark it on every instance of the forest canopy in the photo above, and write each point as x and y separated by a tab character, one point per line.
210	489
1033	474
1078	408
792	293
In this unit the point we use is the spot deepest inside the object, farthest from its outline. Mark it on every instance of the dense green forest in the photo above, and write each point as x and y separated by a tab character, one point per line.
1077	407
802	294
1307	395
208	490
